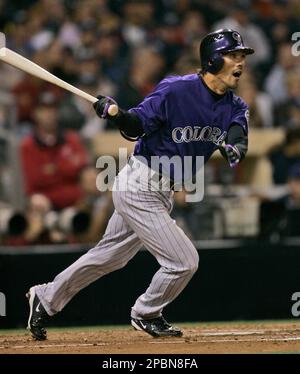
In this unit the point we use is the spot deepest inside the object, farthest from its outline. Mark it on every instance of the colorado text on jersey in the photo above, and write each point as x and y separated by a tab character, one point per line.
196	133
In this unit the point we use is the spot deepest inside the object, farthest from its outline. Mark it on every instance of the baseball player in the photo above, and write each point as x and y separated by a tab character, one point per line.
191	115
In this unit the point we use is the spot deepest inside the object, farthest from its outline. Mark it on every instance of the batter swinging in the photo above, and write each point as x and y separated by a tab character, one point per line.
188	115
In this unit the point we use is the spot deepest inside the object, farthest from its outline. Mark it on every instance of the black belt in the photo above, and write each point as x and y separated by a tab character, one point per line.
156	176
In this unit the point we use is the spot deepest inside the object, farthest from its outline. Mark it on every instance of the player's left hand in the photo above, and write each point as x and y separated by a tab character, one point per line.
231	154
102	105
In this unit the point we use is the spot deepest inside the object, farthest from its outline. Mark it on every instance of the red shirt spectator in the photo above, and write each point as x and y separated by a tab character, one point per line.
27	93
52	159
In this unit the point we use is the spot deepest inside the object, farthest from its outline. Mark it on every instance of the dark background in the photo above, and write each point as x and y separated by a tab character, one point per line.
253	281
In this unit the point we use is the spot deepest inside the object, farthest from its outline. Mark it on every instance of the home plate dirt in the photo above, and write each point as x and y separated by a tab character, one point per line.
259	337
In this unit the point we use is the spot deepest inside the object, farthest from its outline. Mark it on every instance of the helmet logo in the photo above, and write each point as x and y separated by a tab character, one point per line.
218	37
237	37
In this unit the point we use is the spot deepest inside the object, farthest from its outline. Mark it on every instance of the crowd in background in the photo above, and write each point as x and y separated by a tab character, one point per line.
122	49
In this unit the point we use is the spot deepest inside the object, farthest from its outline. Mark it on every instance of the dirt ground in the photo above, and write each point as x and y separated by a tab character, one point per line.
260	337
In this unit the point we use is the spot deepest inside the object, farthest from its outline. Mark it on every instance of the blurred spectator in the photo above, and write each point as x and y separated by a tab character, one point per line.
76	113
54	12
26	93
112	52
13	225
3	16
287	111
146	70
193	26
38	224
293	84
68	71
138	18
17	35
276	81
285	156
186	64
96	205
260	103
88	40
169	38
39	36
89	66
69	34
183	214
52	158
37	231
293	119
55	53
238	19
28	90
279	21
281	218
9	77
198	221
27	228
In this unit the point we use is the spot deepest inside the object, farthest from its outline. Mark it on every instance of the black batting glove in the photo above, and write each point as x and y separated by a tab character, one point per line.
101	106
231	153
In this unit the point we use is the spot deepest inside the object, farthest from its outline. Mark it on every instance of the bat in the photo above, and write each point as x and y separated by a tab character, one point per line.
14	59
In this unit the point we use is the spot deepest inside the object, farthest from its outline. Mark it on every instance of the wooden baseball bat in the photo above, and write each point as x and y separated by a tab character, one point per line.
14	59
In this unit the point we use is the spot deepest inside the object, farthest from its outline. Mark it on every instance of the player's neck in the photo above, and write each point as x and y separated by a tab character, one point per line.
214	84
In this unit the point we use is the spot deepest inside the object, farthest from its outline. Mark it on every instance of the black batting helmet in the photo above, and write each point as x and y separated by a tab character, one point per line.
217	43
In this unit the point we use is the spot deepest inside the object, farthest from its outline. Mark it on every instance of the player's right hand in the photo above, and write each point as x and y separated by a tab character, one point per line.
102	105
231	154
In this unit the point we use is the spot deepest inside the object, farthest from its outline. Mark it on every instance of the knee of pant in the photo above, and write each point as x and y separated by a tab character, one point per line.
190	266
193	265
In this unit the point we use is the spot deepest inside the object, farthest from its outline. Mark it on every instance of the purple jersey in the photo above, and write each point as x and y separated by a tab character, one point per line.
183	117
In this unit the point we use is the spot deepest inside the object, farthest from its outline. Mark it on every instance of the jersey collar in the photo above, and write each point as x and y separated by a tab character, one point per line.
216	96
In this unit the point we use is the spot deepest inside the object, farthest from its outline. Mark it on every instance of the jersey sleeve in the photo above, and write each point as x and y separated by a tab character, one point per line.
240	113
152	110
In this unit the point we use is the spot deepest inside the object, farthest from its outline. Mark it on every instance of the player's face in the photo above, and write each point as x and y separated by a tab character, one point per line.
232	69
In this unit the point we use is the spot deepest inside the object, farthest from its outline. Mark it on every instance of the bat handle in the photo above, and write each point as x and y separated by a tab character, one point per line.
113	110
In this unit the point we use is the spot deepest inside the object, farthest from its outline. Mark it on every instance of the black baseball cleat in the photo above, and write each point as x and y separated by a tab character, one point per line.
37	316
157	327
